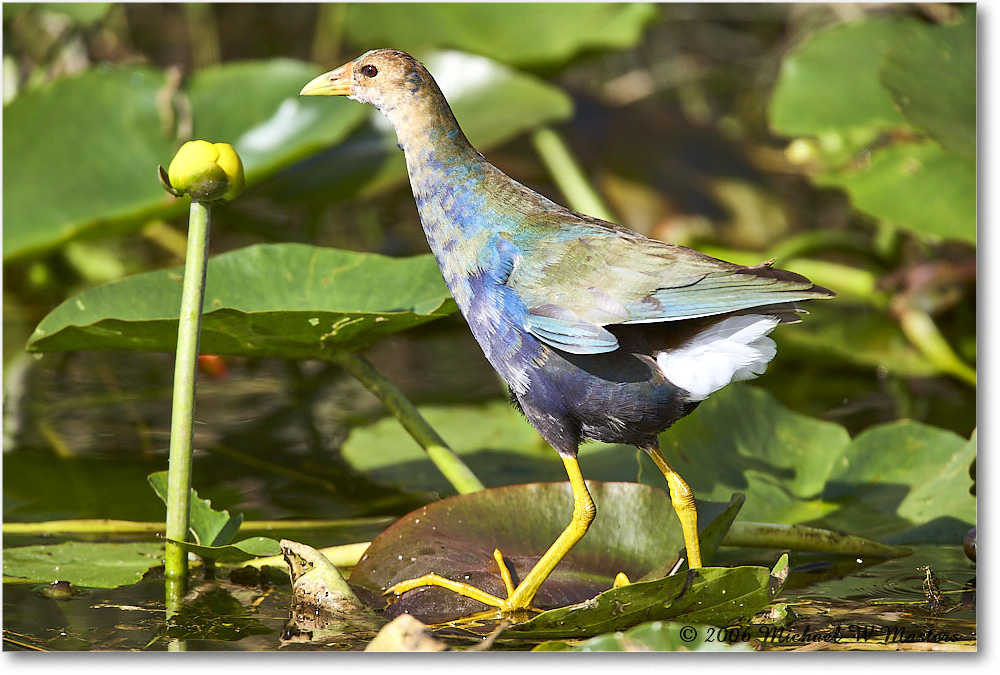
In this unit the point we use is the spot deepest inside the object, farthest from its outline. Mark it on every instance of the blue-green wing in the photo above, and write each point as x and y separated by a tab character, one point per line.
574	288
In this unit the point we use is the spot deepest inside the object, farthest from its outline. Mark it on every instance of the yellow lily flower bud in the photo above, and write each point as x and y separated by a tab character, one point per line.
206	171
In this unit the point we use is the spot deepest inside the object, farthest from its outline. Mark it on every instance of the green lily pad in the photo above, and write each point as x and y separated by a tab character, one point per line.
798	470
829	85
717	596
92	564
655	636
285	300
917	185
514	33
116	127
931	73
636	532
845	87
910	471
97	173
255	106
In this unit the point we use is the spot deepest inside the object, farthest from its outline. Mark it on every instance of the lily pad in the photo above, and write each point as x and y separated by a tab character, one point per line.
829	85
117	126
717	596
514	33
636	531
255	106
92	564
865	92
93	169
917	185
284	300
931	73
906	481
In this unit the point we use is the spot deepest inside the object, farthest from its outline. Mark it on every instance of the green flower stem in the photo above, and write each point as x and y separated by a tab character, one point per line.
568	175
182	414
801	538
444	458
920	329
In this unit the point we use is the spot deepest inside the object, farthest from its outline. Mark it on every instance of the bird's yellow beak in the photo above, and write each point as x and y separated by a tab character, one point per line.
338	82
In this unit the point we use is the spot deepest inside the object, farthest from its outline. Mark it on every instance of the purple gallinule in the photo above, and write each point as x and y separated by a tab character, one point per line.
600	333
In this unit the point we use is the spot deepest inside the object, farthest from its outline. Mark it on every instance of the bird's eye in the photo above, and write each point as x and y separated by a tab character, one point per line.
369	70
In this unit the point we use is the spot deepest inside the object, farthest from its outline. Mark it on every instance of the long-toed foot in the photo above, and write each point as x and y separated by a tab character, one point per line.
513	603
519	598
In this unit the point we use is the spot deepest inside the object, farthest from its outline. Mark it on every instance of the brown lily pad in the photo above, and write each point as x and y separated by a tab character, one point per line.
635	532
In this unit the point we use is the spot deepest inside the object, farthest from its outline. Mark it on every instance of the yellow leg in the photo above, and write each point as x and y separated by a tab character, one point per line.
682	499
521	596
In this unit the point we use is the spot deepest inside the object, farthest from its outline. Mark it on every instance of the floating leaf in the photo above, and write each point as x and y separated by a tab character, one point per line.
514	33
255	106
829	85
717	596
917	185
833	89
912	471
97	565
931	73
100	170
635	532
794	469
285	300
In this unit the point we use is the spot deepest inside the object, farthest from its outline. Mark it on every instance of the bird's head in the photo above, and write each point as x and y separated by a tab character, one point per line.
382	78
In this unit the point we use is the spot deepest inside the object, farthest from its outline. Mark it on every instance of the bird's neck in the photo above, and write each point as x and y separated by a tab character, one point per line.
463	200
